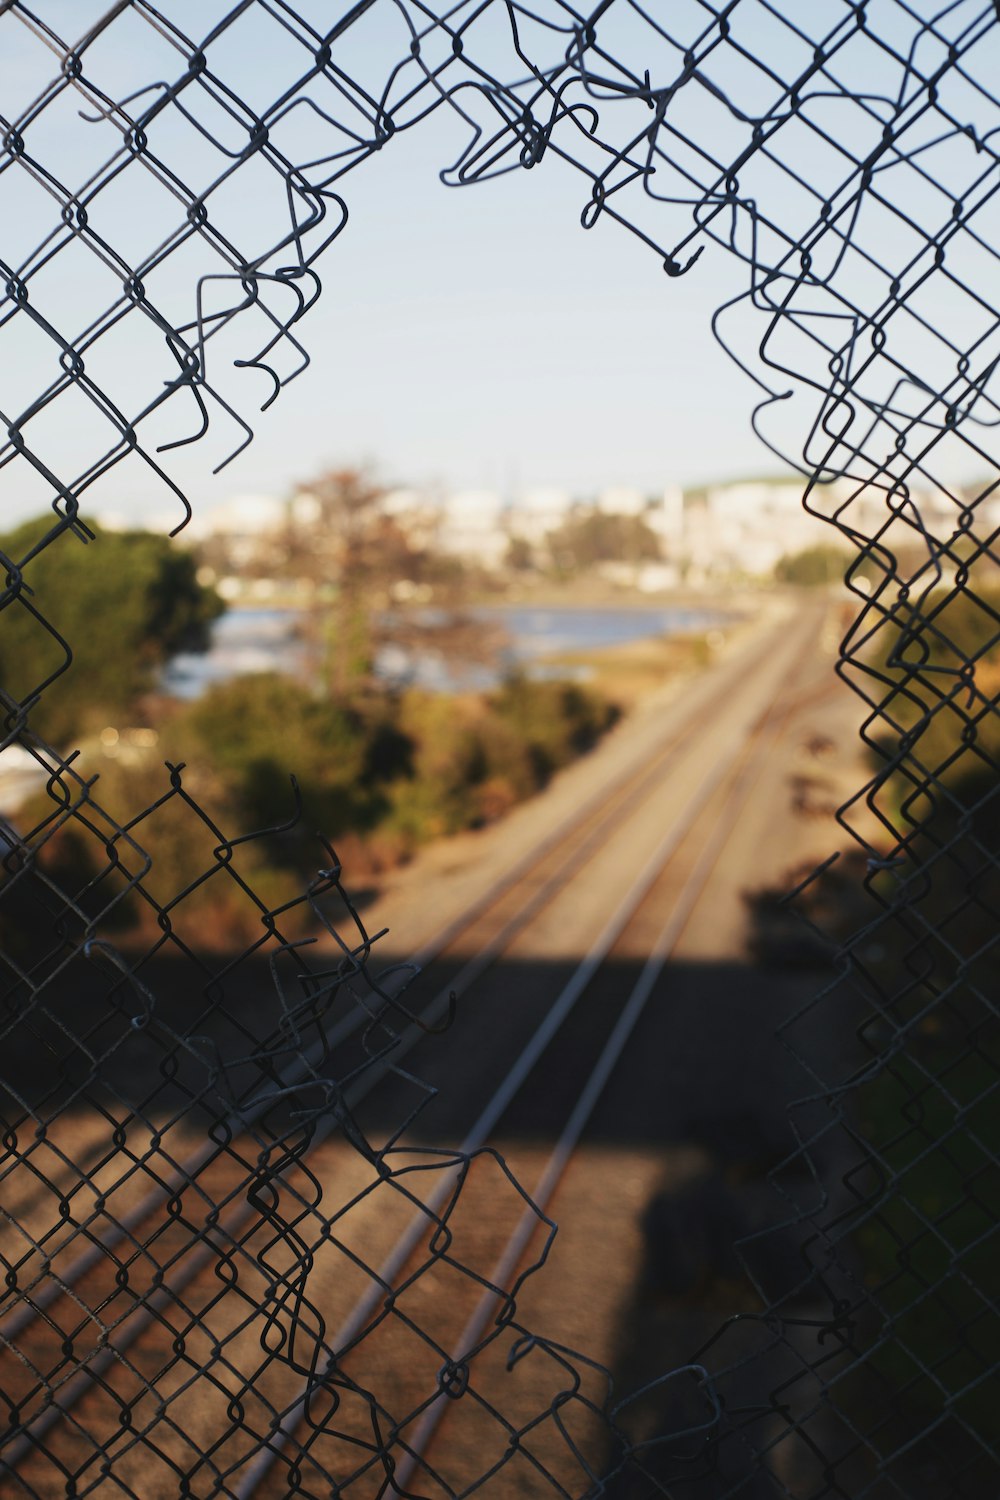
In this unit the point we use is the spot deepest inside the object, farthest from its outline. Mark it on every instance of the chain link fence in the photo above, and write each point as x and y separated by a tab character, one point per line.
189	1307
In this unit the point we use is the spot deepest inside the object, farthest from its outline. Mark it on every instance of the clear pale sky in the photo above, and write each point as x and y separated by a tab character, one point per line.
473	336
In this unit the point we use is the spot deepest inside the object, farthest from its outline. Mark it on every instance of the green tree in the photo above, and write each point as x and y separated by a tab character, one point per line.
594	537
557	721
813	567
257	729
101	618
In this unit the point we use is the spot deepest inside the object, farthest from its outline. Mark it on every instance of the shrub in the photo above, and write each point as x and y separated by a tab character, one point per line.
556	720
385	774
449	761
812	567
126	602
257	729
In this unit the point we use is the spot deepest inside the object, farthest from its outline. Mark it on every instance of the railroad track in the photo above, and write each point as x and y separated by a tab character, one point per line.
107	1365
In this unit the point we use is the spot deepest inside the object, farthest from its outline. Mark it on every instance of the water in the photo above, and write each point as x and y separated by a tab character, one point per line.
240	641
269	640
549	632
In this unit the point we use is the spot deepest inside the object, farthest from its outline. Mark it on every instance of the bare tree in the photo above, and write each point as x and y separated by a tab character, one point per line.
337	540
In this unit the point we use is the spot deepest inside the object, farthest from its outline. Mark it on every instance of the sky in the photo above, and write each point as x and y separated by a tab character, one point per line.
471	336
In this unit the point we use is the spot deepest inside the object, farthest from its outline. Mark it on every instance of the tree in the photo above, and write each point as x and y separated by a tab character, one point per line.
520	555
258	728
101	617
342	543
593	537
812	568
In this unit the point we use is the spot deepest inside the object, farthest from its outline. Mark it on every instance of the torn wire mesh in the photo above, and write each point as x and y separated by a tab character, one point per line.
161	1168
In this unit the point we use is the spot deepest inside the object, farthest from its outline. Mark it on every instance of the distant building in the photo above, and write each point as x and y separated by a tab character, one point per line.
535	512
304	510
664	515
470	527
241	533
754	524
621	500
249	516
644	577
417	513
706	534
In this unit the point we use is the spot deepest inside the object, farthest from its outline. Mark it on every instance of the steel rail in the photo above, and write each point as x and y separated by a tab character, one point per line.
249	1482
634	785
625	792
559	1159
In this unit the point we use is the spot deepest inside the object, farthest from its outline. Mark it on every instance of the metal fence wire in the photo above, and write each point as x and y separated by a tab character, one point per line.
193	1305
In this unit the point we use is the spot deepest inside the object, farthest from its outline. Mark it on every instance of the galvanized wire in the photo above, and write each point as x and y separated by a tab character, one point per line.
846	155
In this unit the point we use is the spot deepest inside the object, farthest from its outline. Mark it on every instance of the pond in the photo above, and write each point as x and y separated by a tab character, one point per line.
271	640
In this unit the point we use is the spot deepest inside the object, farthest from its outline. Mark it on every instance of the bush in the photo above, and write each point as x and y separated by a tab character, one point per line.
126	602
812	567
953	737
386	774
449	761
557	721
257	730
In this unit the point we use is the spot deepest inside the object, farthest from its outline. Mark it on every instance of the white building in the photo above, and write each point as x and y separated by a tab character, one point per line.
416	512
743	528
249	516
621	500
470	527
664	515
535	512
